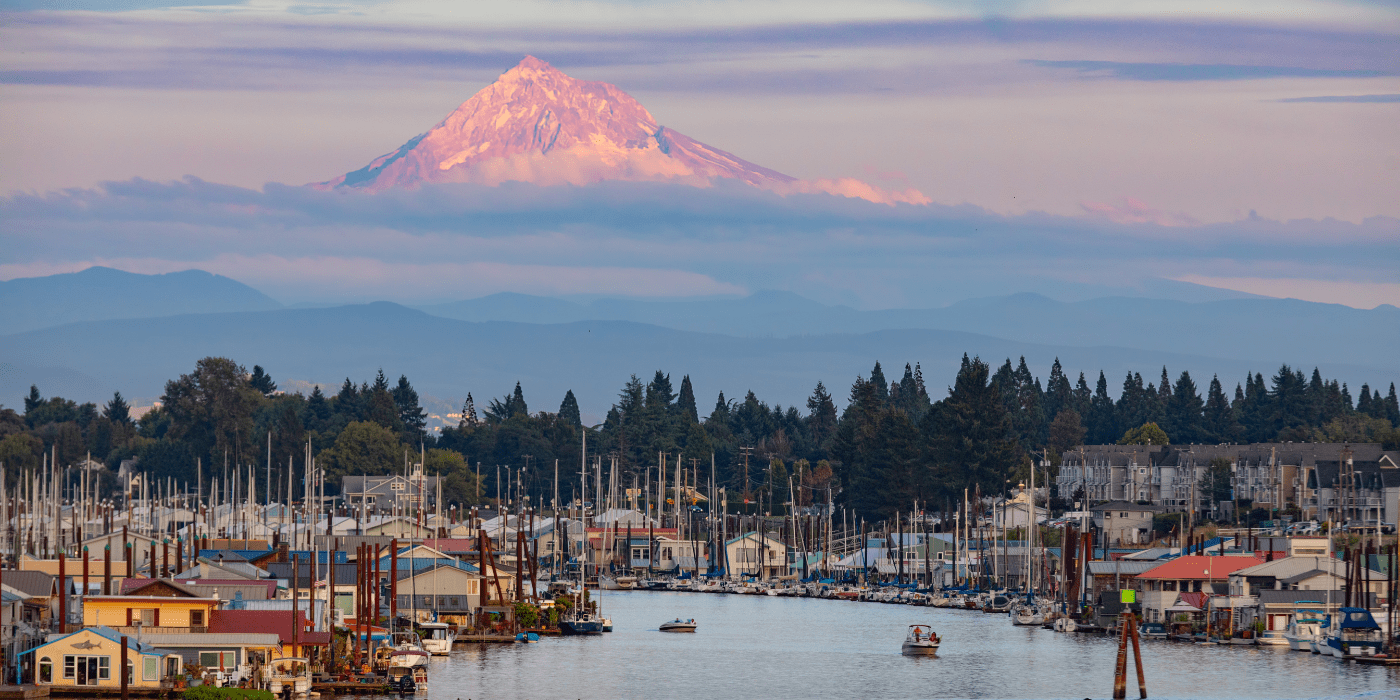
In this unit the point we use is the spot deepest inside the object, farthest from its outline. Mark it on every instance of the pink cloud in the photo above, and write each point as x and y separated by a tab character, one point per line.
878	174
1135	211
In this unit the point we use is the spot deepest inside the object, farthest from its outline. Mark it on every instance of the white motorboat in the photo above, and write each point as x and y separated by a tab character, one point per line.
1152	630
1305	626
616	583
679	625
408	680
1355	634
920	641
437	638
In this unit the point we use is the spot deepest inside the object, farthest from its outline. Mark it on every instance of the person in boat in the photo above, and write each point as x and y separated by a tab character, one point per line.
916	635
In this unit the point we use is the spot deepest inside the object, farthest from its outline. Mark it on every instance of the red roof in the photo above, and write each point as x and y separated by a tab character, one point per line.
1200	567
277	622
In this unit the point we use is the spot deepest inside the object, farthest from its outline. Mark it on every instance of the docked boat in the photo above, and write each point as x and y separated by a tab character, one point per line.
408	658
998	603
1027	616
616	583
920	641
289	675
1305	626
581	624
437	638
1356	634
408	680
607	624
1152	630
527	638
678	625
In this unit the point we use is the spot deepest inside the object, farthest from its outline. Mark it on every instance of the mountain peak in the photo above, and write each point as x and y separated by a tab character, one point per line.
529	68
536	124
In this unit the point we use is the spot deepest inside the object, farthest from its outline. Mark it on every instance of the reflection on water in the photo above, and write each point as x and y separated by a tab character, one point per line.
764	647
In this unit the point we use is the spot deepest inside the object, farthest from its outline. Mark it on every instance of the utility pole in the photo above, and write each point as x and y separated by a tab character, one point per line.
747	451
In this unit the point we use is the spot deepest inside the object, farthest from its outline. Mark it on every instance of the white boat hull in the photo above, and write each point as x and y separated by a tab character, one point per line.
919	648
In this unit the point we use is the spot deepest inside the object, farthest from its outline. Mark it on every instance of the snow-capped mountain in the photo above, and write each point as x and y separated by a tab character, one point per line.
535	124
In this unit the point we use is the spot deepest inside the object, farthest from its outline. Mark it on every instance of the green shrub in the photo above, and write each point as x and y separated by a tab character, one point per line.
207	692
527	615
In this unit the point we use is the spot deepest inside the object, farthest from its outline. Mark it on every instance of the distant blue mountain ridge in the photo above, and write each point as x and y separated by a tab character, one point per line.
133	332
102	293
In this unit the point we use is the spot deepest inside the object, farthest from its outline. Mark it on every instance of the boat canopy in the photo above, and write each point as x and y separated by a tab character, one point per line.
1358	618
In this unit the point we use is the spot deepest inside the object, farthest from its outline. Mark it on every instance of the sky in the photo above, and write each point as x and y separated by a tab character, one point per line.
1071	148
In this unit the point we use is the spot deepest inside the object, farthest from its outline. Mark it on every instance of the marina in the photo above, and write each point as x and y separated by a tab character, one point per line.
788	647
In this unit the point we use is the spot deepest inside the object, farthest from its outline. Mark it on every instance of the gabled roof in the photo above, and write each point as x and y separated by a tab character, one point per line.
32	583
158	587
210	588
770	538
106	633
1199	568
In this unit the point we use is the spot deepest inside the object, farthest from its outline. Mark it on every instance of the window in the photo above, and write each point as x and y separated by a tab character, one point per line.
473	586
87	670
46	670
218	659
196	618
147	617
150	668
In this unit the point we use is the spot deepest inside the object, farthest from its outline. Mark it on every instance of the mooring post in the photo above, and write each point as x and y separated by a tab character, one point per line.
1137	658
1120	671
125	693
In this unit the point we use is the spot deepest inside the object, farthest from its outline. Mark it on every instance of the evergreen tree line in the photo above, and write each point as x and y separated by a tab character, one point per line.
890	445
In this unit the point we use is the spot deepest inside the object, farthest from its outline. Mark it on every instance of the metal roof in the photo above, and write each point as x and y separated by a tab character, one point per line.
1123	567
242	639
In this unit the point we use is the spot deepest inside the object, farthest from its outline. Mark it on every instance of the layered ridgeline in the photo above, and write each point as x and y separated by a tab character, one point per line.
537	125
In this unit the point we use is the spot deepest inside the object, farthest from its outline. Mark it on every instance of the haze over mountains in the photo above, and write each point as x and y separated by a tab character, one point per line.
777	344
537	125
101	293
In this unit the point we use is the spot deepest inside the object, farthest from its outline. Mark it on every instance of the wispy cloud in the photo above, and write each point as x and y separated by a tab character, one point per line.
1187	71
1362	99
1135	211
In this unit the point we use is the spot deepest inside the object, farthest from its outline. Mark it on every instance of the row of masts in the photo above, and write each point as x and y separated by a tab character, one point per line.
48	510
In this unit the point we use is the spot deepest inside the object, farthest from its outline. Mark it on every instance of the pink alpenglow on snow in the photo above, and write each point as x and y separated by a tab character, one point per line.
535	124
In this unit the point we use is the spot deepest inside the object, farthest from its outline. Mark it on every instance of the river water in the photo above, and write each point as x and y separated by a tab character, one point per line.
768	647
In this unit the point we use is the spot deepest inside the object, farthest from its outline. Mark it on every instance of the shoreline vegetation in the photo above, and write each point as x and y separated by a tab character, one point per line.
892	443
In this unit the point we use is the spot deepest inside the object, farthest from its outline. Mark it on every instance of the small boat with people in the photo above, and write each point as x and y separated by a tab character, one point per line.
527	638
920	641
679	625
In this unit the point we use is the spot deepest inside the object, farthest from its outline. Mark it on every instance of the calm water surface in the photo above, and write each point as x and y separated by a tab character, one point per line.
762	647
